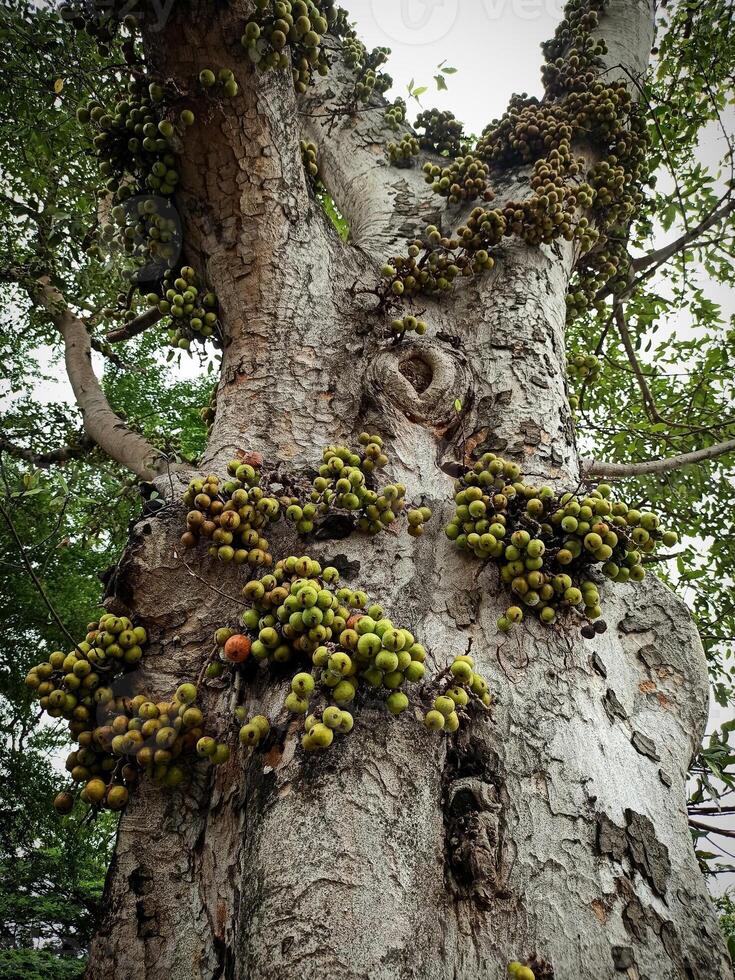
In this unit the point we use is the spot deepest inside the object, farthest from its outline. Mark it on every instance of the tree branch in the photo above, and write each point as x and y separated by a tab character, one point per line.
598	467
648	399
720	831
75	450
659	257
141	323
383	205
101	424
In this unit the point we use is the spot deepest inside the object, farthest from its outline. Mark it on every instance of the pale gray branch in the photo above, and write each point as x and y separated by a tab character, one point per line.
651	467
101	424
384	205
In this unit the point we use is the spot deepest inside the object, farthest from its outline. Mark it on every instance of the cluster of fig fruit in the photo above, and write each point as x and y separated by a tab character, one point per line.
129	138
252	730
220	83
584	367
98	18
345	483
370	81
289	33
569	201
190	310
234	514
344	645
549	544
309	158
119	736
146	229
365	64
598	269
286	34
581	103
407	324
433	263
401	154
395	114
133	141
463	179
460	687
440	132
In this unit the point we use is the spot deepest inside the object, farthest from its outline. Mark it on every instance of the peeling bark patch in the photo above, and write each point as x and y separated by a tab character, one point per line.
637	842
463	609
612	705
622	957
541	969
648	854
634	919
599	909
645	746
611	839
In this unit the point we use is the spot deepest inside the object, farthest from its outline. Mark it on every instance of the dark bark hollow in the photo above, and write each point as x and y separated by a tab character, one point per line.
557	826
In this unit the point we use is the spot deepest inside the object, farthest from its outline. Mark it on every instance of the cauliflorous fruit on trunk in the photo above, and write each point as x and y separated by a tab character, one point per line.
302	684
444	705
206	746
321	736
462	671
296	705
249	734
237	648
434	720
186	693
397	702
332	717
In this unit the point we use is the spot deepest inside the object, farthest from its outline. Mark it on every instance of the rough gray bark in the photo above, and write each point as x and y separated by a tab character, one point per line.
557	826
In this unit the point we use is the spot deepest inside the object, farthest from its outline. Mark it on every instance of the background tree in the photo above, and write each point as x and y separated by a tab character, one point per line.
555	826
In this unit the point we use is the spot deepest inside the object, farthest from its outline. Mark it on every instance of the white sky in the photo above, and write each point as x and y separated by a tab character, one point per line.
493	43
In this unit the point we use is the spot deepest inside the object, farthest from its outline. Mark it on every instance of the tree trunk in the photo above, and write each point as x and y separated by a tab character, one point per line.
557	825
